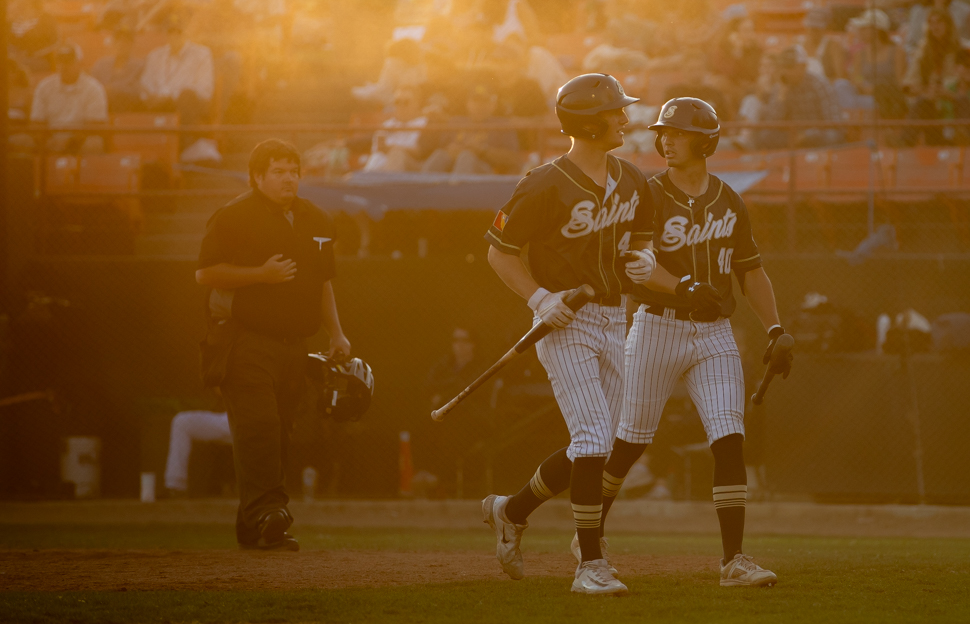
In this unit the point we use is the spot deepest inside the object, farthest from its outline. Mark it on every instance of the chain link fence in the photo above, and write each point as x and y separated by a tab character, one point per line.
102	318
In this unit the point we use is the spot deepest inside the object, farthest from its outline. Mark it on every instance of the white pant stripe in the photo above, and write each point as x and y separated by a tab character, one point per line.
659	350
584	362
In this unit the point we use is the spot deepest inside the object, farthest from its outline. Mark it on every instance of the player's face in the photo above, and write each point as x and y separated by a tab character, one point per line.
281	182
615	122
676	146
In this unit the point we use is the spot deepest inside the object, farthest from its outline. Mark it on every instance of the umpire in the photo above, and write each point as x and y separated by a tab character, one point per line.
267	258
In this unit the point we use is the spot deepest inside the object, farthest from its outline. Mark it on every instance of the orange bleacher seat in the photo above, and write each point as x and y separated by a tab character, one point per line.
109	173
927	170
60	175
151	147
73	10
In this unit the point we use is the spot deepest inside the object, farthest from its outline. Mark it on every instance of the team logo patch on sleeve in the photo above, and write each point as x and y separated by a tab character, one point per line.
500	220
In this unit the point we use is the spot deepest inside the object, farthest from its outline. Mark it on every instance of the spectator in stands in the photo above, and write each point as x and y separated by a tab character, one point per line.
404	66
735	53
960	89
70	97
697	82
754	104
879	67
178	77
33	32
930	70
958	11
800	96
519	95
402	147
121	74
826	56
19	91
228	30
478	151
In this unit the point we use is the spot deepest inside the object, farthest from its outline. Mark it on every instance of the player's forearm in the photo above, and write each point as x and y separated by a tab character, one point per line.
512	271
761	296
331	320
229	276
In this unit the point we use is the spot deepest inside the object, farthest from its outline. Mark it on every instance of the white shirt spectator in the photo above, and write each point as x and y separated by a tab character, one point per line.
60	104
166	75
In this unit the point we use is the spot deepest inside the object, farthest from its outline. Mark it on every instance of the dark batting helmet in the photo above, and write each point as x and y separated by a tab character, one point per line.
691	115
581	100
344	389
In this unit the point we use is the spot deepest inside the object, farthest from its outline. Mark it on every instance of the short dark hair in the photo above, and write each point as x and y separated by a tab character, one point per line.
268	151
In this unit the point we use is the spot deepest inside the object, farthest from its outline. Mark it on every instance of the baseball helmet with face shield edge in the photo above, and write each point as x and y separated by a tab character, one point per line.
690	115
344	389
581	100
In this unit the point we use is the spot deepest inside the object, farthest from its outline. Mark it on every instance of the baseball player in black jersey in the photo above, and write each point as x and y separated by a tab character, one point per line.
681	328
575	217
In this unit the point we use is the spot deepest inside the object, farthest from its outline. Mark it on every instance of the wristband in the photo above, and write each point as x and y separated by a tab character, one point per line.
771	331
537	297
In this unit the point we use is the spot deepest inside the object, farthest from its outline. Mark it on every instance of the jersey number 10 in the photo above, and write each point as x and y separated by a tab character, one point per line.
724	260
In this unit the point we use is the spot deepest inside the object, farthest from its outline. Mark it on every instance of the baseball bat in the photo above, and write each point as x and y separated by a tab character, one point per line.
575	300
782	348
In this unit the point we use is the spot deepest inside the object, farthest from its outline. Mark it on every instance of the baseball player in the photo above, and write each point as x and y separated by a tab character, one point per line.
577	216
681	326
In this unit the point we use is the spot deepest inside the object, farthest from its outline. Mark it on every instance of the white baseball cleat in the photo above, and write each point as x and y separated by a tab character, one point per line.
604	549
508	536
742	571
594	577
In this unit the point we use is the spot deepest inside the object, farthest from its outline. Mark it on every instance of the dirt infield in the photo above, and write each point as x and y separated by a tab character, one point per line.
215	570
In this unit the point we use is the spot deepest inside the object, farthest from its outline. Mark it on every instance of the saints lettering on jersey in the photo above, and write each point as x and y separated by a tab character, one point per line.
676	235
585	219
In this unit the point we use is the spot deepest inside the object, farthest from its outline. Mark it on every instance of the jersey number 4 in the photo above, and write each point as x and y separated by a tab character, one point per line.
724	260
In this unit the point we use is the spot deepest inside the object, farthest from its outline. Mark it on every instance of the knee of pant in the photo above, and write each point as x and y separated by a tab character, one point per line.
729	460
180	421
623	456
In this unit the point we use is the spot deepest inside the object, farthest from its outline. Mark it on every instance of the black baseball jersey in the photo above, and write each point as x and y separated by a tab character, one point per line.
247	232
706	237
575	229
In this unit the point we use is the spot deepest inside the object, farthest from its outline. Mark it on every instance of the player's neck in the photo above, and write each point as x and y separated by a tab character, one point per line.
591	160
691	178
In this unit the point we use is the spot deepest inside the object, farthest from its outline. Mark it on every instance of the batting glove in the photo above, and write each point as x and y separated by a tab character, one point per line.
551	309
641	265
783	367
702	298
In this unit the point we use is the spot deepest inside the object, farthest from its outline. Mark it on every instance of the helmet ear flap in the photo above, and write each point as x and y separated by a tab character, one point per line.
658	144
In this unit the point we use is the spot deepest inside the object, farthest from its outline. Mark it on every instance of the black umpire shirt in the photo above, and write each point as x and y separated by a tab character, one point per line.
575	229
247	232
706	237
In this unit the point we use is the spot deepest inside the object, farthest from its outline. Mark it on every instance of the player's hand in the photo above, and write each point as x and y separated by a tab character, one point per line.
339	348
553	311
640	265
276	270
701	297
783	367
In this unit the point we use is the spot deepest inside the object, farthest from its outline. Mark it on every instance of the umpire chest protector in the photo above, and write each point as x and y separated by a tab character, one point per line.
251	229
707	237
575	230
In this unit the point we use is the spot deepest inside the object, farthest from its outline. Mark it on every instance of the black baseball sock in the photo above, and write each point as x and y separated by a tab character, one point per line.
551	478
730	491
622	458
586	495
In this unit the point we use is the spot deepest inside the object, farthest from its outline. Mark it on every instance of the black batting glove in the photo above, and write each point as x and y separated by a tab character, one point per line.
702	298
783	367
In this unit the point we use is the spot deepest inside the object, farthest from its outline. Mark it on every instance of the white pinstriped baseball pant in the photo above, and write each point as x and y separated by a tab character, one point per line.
584	362
659	350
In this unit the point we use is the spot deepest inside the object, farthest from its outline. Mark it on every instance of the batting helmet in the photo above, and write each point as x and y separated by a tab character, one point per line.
344	389
691	115
581	100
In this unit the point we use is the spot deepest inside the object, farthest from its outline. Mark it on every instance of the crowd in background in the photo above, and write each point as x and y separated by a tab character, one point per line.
413	63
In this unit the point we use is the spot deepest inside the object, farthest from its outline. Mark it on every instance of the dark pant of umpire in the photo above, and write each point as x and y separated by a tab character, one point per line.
263	388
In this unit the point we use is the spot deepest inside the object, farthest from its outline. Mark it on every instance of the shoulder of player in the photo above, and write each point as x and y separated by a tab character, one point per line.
627	168
726	192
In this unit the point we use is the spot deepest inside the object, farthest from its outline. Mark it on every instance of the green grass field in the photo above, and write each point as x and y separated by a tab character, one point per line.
821	580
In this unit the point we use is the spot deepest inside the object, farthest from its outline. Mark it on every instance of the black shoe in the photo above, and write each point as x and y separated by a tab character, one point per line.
286	542
273	526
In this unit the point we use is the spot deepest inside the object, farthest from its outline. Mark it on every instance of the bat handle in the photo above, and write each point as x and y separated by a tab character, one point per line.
579	297
758	397
439	414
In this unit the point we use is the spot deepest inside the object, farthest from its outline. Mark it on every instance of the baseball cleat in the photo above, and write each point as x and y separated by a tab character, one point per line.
594	577
508	535
742	571
604	549
286	542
